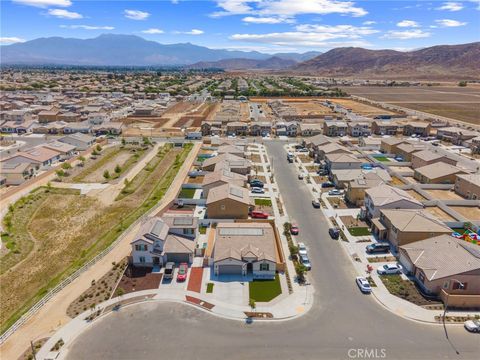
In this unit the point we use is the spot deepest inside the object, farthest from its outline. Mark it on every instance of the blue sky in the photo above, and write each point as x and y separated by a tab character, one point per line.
263	25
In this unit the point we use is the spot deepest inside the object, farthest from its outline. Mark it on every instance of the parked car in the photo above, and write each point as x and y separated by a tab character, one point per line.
169	269
302	249
398	158
363	284
182	272
257	190
300	176
378	248
335	192
322	172
298	146
334	232
256	214
294	229
472	325
328	184
256	183
290	159
389	269
316	204
303	150
305	262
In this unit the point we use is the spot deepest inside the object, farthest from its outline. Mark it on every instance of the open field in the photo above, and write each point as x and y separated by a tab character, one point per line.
310	108
57	230
455	102
360	108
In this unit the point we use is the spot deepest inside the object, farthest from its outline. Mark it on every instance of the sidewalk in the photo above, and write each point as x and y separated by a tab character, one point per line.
53	315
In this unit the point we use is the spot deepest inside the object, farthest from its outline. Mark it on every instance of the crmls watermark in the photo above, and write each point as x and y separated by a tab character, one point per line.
366	353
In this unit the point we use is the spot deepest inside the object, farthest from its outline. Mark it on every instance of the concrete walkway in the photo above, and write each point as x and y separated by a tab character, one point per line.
53	315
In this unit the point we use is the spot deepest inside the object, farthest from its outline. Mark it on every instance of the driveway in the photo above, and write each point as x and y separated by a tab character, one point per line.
341	321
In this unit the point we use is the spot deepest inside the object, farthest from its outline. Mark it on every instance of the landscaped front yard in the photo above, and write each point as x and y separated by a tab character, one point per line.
405	289
265	290
359	231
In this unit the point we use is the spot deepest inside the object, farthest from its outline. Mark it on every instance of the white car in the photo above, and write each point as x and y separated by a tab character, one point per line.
304	260
303	150
257	190
363	284
335	192
302	249
472	325
389	269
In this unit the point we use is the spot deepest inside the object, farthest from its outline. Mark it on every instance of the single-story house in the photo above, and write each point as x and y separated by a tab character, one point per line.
17	173
39	156
66	150
437	173
342	161
221	177
228	201
80	141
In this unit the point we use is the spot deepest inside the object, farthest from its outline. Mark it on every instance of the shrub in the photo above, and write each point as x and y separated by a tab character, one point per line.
118	169
98	148
106	174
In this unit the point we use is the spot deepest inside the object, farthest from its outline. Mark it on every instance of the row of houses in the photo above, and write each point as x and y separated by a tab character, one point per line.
61	127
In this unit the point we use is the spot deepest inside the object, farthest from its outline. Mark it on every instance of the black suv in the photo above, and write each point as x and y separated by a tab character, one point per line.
378	248
334	233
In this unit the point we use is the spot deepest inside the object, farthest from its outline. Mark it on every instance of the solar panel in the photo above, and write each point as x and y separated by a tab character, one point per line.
238	192
240	231
183	221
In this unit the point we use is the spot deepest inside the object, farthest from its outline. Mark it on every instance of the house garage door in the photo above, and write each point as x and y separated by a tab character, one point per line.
230	269
178	257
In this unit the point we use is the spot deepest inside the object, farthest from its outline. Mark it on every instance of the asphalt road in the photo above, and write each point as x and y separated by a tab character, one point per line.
343	323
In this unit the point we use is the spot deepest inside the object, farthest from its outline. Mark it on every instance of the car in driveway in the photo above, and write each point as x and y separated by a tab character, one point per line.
257	214
378	248
257	190
472	325
256	183
316	204
294	229
169	269
328	184
182	272
303	150
335	192
305	261
389	269
334	233
363	285
302	249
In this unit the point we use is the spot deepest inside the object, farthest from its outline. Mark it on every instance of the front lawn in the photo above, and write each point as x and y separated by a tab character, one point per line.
202	230
186	194
263	202
210	288
265	290
359	231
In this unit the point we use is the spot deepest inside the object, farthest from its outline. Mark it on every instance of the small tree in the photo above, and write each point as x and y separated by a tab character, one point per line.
98	148
252	304
123	141
81	158
60	173
300	269
106	174
462	83
118	169
66	166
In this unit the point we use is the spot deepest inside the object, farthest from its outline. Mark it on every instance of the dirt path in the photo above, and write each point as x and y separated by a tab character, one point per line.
54	314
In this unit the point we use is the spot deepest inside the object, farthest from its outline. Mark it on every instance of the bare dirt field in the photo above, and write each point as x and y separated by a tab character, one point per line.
444	195
470	212
439	213
310	108
360	108
455	102
416	195
97	175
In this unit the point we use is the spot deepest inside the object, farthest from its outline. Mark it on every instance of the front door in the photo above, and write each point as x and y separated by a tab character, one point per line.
156	261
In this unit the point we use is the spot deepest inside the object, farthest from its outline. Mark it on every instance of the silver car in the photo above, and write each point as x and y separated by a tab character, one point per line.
363	284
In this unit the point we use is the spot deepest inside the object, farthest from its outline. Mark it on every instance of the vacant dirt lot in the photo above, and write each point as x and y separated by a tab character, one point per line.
444	194
439	213
360	108
470	212
312	108
416	195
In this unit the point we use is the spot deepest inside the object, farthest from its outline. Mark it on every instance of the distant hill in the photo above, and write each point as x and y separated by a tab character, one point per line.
121	50
435	60
273	63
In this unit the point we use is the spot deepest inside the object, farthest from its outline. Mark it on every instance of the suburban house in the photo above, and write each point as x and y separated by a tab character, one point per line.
245	249
342	178
403	226
331	148
39	156
342	161
385	127
390	145
406	150
156	243
335	128
66	150
355	192
468	186
231	149
260	128
48	116
437	173
80	141
445	265
211	128
16	173
232	162
357	129
221	177
311	129
228	201
237	128
427	157
388	197
455	135
370	142
417	128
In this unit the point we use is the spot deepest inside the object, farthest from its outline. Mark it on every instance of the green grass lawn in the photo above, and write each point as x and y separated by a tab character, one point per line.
263	202
265	290
210	288
187	193
359	231
202	229
201	158
382	158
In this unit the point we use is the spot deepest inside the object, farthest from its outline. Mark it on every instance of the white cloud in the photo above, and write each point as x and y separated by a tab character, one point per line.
64	14
153	31
44	3
406	34
266	20
11	40
87	27
340	30
191	32
449	23
287	8
136	14
451	6
370	22
407	23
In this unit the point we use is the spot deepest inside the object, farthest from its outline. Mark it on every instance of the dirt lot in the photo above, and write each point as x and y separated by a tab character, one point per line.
416	195
444	195
451	101
470	212
396	181
97	175
360	108
439	213
310	108
137	279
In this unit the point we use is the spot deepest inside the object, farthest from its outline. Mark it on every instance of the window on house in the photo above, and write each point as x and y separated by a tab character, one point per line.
138	247
188	231
141	259
459	286
264	267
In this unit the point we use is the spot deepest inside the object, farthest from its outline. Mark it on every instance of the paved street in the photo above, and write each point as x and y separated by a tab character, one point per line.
341	320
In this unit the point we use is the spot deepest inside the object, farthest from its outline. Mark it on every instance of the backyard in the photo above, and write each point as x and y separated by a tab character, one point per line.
186	193
265	290
381	158
67	229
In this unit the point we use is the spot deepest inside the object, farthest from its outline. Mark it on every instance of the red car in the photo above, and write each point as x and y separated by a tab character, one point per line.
294	229
182	272
259	214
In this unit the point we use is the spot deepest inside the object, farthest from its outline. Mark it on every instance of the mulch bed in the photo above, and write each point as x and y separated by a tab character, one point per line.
199	302
259	315
350	220
137	279
195	280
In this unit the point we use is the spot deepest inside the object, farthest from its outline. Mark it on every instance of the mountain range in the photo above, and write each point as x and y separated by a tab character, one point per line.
122	50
